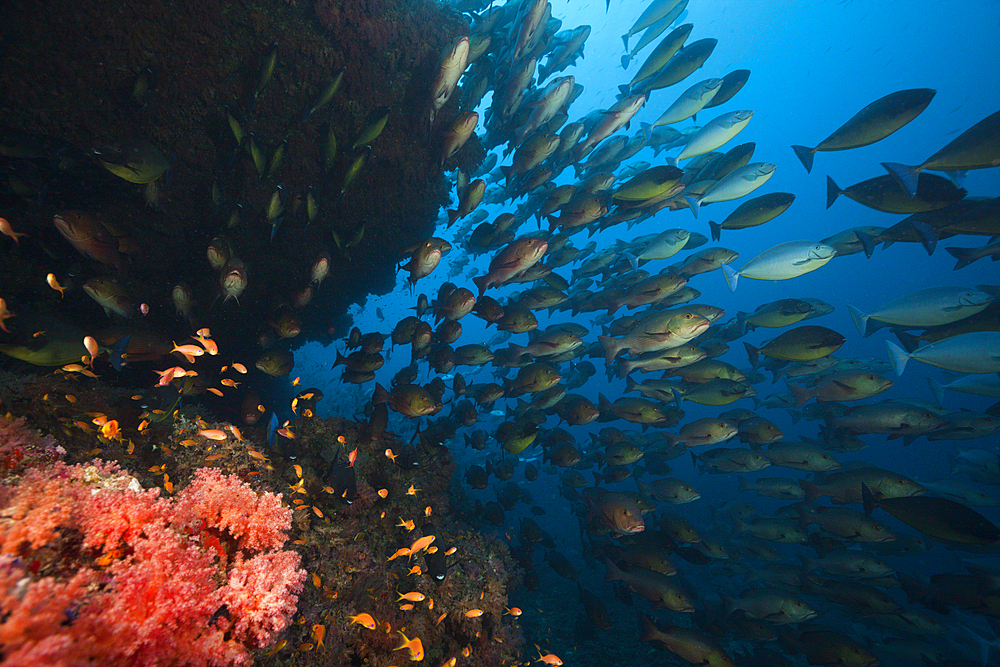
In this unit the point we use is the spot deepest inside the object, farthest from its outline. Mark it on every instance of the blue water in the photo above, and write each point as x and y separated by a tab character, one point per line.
814	65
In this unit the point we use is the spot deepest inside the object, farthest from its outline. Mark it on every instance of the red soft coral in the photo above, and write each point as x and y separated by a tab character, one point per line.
137	579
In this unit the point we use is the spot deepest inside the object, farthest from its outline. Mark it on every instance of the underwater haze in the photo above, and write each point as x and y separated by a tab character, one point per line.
698	367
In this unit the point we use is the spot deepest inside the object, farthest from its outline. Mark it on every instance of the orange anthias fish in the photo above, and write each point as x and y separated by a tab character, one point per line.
364	620
548	658
4	314
54	284
7	230
412	596
414	646
318	634
421	544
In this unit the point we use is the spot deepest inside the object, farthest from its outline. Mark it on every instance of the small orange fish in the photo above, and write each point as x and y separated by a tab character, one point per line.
92	348
408	525
389	455
213	390
383	493
514	611
7	230
229	383
427	510
412	491
318	634
317	511
254	454
190	352
110	430
206	342
415	570
188	443
401	552
54	284
414	646
214	457
441	618
71	398
450	663
4	313
412	596
296	381
466	652
352	457
212	434
364	620
474	613
239	368
421	544
548	659
298	470
450	551
406	607
317	582
287	433
236	432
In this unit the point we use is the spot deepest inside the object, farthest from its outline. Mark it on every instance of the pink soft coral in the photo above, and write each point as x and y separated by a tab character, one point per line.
135	579
22	448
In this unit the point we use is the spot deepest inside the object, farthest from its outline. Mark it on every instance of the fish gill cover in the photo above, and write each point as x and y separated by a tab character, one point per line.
692	409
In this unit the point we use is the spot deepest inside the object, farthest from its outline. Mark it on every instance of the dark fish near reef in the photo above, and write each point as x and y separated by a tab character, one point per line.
937	517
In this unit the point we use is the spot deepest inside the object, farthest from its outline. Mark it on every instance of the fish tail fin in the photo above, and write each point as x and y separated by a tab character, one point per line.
731	276
753	353
905	175
965	256
860	319
716	228
603	403
928	236
937	389
612	573
812	490
633	260
908	341
741	322
743	486
897	357
694	204
612	346
630	384
515	349
647	130
832	192
452	216
868	242
380	395
800	393
625	41
678	397
867	498
794	414
482	283
805	155
625	61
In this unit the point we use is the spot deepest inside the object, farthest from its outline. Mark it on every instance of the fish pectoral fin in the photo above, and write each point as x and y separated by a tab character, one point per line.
846	387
